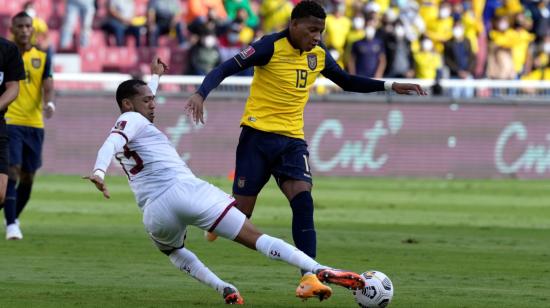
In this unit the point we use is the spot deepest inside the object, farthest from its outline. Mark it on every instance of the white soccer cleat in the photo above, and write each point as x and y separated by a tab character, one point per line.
13	232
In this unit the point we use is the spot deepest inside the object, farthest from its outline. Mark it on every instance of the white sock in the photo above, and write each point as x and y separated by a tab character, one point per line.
187	261
278	249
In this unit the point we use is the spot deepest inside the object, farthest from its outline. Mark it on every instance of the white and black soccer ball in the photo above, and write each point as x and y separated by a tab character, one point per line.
378	290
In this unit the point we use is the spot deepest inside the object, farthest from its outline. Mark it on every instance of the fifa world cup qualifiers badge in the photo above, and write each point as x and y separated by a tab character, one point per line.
247	52
120	125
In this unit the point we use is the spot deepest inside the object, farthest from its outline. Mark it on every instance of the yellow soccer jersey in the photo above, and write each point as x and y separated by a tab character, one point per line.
26	110
283	76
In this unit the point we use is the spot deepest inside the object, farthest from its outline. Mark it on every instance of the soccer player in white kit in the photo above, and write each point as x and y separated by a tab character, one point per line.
171	197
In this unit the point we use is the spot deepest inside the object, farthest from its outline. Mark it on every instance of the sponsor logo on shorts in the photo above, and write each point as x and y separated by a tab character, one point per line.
241	182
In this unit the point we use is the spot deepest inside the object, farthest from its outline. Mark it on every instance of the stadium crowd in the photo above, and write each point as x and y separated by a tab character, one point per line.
427	39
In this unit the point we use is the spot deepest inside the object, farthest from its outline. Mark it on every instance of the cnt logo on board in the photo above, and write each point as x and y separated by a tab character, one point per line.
357	154
533	158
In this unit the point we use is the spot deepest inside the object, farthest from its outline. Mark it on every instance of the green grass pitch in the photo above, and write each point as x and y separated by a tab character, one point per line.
460	243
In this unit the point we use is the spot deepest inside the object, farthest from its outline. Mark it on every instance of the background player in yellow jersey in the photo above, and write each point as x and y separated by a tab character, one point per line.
11	71
272	138
25	122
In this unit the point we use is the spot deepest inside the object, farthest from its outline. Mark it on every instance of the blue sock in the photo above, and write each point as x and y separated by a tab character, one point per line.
23	195
303	229
9	204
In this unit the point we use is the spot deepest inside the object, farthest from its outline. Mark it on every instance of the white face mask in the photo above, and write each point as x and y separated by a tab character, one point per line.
445	12
399	31
358	23
502	25
427	45
370	32
31	12
546	48
209	41
458	32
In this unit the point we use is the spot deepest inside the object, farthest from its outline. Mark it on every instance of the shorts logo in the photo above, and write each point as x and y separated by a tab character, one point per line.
241	182
247	52
120	125
312	61
36	62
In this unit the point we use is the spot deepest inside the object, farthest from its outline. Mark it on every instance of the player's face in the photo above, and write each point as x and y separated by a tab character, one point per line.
306	32
22	30
144	103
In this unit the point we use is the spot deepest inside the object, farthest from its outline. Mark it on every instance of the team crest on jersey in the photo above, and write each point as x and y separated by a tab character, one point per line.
120	125
247	52
312	61
36	62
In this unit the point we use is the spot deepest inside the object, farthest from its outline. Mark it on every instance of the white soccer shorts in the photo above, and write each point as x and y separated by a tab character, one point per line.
191	202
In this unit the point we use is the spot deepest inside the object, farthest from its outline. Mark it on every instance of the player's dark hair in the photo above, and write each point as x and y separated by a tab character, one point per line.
308	8
21	14
128	89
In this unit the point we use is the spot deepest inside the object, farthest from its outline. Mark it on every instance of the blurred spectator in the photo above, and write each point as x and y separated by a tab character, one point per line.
234	6
440	29
541	68
427	62
231	43
211	23
460	59
204	55
337	28
399	57
121	21
275	15
356	33
368	57
540	13
500	63
85	9
201	8
412	21
522	42
164	17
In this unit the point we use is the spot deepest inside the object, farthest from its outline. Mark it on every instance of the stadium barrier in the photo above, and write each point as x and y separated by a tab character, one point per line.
348	135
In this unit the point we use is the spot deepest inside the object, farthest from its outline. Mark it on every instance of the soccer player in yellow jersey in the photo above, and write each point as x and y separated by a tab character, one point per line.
24	119
272	138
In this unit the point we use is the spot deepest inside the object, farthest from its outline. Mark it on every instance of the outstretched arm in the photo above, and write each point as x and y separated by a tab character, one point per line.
359	84
158	68
114	143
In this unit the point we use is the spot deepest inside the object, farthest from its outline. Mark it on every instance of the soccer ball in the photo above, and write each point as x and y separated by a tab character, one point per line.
378	290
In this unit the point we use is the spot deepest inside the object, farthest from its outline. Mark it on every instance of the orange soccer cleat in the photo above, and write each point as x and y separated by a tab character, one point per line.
310	286
346	279
232	296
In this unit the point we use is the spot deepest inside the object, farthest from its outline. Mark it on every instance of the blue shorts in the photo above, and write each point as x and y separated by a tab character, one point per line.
25	144
262	154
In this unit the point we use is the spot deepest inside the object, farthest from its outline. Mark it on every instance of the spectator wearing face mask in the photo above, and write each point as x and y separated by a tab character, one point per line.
427	62
460	60
356	33
500	63
521	49
398	54
337	28
440	30
204	55
368	57
231	43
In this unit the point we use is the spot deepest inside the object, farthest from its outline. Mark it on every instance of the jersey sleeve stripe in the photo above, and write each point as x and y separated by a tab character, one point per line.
227	208
120	133
239	63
